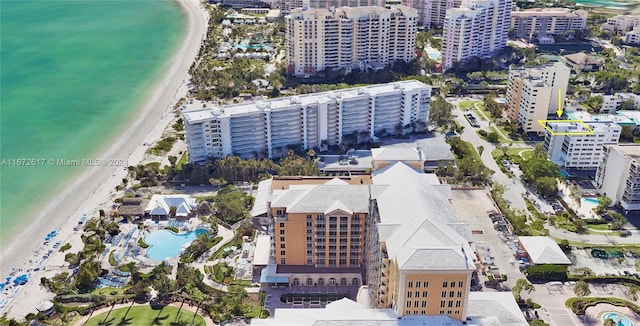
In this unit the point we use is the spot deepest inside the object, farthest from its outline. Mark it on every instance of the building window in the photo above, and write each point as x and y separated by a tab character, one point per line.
424	304
409	294
282	252
282	232
442	303
343	281
415	304
281	225
408	304
309	282
452	284
444	284
448	312
450	304
457	312
451	294
332	281
425	284
458	304
417	284
459	294
444	294
442	312
281	239
417	294
282	245
424	294
296	281
410	284
320	281
283	261
460	284
355	281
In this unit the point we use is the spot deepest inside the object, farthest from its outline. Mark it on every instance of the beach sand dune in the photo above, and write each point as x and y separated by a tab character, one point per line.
94	186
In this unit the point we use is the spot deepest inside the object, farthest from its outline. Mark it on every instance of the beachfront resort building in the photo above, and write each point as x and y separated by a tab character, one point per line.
579	145
478	28
415	259
618	175
547	21
632	37
367	37
533	93
611	103
267	128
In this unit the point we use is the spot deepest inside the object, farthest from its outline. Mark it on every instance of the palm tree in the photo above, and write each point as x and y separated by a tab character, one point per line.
581	289
522	284
480	150
632	294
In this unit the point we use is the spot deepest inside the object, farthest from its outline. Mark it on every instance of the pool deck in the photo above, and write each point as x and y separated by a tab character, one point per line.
593	315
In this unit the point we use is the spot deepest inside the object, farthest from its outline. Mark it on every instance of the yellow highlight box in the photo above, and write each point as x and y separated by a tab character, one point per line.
589	131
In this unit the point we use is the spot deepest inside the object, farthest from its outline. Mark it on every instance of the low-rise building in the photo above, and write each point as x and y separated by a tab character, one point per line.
171	206
618	175
581	61
579	144
547	21
543	251
611	103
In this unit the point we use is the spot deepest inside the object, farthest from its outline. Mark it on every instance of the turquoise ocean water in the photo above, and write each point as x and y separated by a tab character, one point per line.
72	74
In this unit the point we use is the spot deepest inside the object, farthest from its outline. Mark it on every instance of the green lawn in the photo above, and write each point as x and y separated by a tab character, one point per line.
600	227
145	315
526	152
467	104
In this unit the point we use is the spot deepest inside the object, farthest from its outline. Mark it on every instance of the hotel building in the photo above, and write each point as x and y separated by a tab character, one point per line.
415	259
476	29
611	103
349	38
618	175
533	93
573	145
632	37
547	21
266	128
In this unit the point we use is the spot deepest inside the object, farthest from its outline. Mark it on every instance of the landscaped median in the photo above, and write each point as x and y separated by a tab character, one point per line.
579	305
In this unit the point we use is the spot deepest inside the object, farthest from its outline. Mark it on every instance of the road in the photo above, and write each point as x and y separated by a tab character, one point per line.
514	188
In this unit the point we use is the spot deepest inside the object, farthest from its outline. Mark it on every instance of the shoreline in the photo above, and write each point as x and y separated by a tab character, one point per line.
94	187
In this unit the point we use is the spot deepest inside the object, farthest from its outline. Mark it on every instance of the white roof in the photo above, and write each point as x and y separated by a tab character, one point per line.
420	235
396	154
261	203
491	307
544	250
263	247
323	198
161	205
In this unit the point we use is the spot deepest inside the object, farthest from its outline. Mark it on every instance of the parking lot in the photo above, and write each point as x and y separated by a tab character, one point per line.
473	207
612	266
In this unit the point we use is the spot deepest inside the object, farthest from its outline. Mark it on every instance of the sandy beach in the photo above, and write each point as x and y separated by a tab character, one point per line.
92	190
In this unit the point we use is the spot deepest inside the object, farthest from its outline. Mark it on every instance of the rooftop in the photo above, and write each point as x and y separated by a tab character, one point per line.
397	154
195	112
582	58
631	150
544	250
551	12
263	247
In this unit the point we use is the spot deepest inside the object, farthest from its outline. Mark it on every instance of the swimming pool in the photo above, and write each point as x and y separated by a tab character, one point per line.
434	55
564	173
592	200
619	319
166	244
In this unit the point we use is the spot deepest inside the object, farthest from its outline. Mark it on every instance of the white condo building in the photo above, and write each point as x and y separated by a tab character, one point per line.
632	37
349	37
547	21
583	149
618	175
344	3
611	103
431	13
477	29
622	23
266	128
533	93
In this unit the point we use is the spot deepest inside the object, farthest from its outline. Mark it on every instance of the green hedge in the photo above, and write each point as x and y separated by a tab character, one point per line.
307	297
142	244
580	305
174	229
545	273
